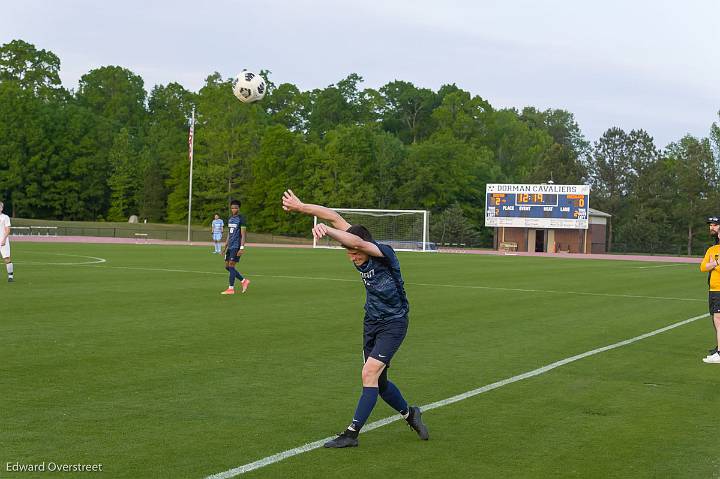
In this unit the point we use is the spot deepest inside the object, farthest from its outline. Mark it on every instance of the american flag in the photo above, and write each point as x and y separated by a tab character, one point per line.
190	137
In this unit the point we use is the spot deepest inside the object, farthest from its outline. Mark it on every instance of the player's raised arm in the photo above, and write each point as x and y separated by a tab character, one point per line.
293	203
348	240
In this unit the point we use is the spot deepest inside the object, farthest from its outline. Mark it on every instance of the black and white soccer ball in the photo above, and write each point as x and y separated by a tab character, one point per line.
249	87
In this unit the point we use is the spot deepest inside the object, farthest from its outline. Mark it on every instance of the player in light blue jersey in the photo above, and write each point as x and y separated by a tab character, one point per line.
235	247
216	227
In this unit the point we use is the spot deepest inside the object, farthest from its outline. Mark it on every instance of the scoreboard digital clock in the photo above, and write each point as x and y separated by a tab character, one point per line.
537	206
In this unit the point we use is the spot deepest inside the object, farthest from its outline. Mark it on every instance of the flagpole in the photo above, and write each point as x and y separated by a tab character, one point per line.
191	142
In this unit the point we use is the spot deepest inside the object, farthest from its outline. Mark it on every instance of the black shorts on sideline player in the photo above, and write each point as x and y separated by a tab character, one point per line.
232	255
382	339
714	302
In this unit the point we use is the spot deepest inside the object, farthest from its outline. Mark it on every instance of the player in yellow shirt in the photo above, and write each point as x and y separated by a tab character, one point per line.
710	265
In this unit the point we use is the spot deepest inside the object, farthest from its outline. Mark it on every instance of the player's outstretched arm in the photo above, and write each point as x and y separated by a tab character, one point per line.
293	203
346	239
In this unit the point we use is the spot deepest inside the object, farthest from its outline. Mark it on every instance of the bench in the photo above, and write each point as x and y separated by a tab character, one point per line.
508	246
44	229
141	238
34	230
20	230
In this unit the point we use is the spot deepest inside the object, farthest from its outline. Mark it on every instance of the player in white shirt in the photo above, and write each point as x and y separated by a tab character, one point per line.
5	243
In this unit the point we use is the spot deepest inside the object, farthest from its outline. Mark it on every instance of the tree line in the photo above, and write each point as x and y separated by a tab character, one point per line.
110	149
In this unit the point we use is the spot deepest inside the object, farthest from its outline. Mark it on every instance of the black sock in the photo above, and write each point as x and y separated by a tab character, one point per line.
411	413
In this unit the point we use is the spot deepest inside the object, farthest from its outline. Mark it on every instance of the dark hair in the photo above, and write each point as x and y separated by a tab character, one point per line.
235	203
361	231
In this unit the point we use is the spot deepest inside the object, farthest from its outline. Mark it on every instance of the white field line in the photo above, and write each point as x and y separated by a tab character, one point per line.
382	422
434	285
664	266
579	293
94	260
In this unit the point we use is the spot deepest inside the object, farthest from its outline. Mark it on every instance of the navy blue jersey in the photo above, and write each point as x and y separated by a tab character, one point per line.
234	224
384	285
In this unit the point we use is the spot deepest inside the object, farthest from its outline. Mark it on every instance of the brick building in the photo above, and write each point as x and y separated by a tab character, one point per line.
591	240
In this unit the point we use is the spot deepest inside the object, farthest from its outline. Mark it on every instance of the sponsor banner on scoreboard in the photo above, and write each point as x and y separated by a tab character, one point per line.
537	206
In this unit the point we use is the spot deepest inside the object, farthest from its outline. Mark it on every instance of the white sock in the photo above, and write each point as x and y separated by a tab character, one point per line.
9	267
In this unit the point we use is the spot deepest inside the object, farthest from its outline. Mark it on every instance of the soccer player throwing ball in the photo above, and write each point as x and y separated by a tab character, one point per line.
386	315
235	247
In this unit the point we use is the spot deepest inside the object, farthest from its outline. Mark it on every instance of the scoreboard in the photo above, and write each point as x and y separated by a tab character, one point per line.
537	206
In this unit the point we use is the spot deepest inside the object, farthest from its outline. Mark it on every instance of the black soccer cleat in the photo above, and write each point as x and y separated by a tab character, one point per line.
344	439
11	280
414	420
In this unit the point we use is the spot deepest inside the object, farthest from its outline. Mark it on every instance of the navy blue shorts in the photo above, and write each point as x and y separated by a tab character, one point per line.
232	255
383	339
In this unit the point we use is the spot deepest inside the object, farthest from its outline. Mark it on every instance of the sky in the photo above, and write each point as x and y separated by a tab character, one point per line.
634	64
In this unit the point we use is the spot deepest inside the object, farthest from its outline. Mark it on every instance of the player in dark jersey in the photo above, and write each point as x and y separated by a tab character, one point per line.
386	316
235	247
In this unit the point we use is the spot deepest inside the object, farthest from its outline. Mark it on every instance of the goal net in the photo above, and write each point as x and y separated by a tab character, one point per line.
404	230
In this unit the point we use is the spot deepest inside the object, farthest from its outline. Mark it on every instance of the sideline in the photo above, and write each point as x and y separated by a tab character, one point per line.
474	251
432	285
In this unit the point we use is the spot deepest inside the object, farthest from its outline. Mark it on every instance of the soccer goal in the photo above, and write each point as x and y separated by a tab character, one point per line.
404	230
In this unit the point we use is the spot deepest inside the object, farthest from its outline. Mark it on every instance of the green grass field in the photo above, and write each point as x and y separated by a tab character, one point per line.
140	364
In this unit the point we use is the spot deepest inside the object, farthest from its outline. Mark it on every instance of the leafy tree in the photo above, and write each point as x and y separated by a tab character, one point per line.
165	149
696	173
341	104
563	162
116	94
228	135
17	108
466	117
451	226
445	170
407	110
609	174
645	224
715	138
288	106
278	166
37	71
124	180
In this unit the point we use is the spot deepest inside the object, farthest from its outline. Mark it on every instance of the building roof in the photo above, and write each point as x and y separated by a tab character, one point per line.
594	212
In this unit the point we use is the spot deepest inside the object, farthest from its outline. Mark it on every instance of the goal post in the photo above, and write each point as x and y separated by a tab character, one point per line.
404	230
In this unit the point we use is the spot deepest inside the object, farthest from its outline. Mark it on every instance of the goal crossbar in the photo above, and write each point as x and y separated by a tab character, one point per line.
411	233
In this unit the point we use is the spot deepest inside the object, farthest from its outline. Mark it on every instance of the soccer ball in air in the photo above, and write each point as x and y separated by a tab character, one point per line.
249	87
